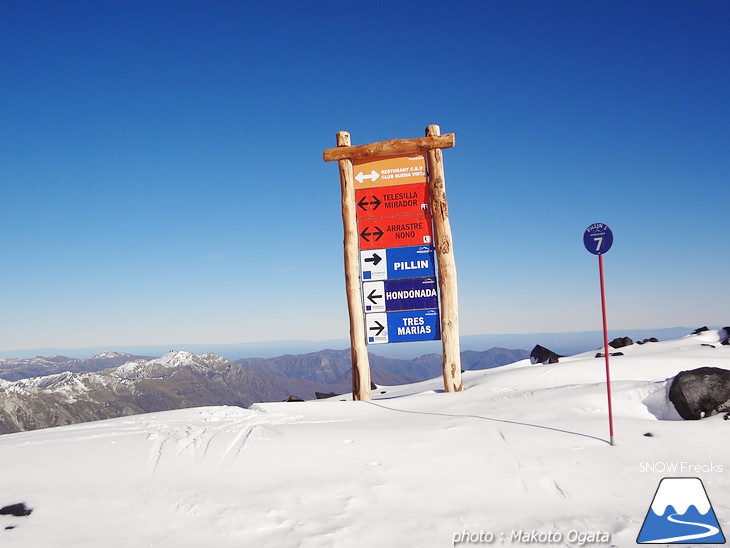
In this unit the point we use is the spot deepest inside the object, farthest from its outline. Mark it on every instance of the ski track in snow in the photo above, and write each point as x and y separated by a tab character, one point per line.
196	442
237	445
530	471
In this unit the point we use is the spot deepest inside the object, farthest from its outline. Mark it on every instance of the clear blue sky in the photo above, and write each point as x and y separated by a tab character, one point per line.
162	179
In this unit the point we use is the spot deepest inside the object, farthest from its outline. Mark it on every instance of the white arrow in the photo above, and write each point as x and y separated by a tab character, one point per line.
373	176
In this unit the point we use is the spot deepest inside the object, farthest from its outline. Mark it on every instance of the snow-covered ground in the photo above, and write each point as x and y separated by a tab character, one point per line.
520	457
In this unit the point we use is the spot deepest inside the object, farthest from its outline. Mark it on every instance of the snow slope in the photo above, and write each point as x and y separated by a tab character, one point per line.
520	457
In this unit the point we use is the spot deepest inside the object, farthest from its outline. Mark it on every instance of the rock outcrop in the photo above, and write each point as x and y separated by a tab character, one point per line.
701	392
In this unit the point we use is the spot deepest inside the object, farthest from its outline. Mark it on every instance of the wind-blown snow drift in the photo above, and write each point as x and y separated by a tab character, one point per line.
523	450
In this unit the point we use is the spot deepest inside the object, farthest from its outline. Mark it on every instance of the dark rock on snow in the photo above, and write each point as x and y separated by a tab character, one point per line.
725	335
699	330
542	355
601	354
18	510
701	392
652	339
620	342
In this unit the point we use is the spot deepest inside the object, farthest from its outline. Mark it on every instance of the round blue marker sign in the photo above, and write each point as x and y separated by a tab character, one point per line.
598	238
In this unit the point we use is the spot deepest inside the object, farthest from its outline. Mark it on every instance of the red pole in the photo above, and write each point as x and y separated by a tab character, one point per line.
605	347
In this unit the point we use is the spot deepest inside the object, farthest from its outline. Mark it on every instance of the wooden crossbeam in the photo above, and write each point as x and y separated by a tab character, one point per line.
386	148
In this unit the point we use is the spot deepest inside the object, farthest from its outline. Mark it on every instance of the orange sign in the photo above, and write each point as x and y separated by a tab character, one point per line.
389	201
403	231
389	170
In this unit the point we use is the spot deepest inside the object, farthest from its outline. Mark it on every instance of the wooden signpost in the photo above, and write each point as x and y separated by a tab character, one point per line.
395	216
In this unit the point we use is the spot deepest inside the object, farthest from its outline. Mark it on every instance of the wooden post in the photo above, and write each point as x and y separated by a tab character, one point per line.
446	268
360	361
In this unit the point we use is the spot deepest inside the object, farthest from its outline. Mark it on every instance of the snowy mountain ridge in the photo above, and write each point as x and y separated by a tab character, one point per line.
176	380
140	368
46	382
12	369
165	365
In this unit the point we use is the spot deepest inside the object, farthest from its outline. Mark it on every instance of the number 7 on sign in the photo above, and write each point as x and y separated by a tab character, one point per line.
598	245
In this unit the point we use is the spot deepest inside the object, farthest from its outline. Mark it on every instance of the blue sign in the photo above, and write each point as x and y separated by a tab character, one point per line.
404	326
598	238
397	263
390	295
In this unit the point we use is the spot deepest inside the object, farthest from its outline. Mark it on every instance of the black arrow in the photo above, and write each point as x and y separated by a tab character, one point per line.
365	235
379	329
363	202
375	259
372	297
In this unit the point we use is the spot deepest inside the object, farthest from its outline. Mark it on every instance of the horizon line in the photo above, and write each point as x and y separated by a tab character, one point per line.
90	351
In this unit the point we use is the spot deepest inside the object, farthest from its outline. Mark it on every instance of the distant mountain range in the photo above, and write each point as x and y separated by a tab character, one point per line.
43	392
174	381
566	343
328	366
13	369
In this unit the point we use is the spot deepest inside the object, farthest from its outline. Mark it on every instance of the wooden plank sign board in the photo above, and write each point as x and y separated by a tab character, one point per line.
397	263
406	230
408	294
400	169
389	201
